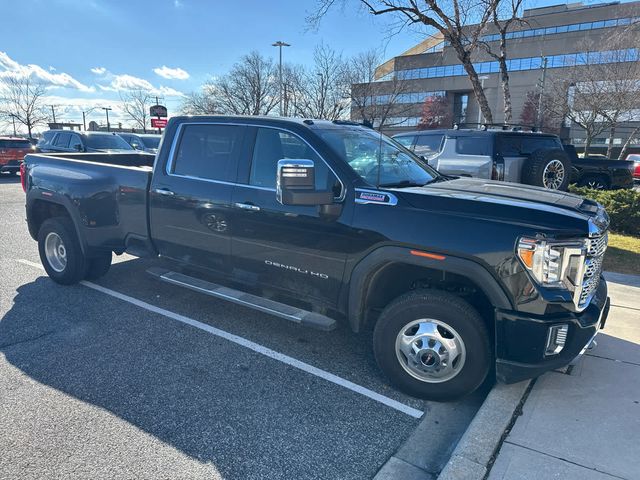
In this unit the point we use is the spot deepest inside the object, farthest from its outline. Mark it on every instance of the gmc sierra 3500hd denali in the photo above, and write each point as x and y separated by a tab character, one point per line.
317	221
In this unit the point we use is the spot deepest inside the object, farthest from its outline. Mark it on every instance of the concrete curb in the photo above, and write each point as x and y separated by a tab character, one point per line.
475	451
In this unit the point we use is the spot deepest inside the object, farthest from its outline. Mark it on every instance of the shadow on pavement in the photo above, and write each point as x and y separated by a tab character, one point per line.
216	402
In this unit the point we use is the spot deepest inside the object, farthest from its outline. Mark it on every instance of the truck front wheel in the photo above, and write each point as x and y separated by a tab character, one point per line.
432	345
60	251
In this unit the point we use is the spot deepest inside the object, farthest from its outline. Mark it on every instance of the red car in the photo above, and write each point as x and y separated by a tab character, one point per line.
12	152
635	157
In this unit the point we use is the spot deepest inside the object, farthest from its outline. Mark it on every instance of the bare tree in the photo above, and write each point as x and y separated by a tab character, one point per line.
634	135
22	98
325	87
461	22
372	101
201	103
136	103
599	92
250	87
509	10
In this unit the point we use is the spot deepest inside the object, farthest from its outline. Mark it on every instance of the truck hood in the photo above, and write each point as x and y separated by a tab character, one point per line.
504	201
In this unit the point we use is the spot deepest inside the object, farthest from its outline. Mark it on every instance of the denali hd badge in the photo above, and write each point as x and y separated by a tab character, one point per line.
374	196
324	276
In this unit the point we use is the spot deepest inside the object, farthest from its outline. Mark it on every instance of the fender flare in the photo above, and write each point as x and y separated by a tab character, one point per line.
35	194
366	269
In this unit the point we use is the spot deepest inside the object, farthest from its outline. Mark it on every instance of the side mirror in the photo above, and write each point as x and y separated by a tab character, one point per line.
78	147
295	184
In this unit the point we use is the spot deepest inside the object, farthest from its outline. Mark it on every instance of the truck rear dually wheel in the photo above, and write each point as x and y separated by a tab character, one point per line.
432	345
60	251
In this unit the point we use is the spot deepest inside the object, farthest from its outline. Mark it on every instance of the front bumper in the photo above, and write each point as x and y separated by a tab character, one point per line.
521	339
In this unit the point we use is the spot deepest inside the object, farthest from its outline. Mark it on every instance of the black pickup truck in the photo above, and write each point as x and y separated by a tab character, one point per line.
599	173
318	222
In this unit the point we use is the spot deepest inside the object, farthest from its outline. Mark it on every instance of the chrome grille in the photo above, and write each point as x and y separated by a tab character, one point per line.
595	247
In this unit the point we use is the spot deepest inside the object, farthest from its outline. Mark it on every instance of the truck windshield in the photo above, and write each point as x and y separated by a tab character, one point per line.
376	158
107	142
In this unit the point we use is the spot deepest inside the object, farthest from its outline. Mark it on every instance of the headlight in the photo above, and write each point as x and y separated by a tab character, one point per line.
553	264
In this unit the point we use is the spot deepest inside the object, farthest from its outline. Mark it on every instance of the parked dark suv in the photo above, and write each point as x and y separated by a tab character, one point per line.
68	141
532	158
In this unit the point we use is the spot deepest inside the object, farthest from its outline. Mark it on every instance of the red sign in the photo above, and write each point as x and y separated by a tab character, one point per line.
158	122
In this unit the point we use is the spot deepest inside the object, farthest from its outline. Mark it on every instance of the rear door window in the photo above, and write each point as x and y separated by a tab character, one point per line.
474	145
428	145
509	145
208	151
62	140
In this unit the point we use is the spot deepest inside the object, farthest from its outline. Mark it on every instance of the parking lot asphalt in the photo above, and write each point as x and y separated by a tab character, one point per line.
133	378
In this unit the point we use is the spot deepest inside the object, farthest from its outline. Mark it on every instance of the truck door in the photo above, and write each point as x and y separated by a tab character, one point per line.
294	249
190	196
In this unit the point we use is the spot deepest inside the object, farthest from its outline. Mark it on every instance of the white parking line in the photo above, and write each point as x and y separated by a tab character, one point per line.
330	377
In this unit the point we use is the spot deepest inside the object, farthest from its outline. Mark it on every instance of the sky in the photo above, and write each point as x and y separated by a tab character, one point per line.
88	51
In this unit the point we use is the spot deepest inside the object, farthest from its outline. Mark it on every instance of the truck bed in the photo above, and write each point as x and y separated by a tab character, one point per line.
108	193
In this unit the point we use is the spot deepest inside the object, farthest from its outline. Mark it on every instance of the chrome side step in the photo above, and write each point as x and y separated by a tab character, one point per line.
293	314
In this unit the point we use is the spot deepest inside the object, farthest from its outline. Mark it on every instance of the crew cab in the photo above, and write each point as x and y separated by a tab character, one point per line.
320	222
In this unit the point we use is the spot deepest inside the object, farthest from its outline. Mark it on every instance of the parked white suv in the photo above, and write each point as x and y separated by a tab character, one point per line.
514	156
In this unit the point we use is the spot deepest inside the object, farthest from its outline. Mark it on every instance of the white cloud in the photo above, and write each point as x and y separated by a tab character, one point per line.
52	69
178	3
126	82
9	67
171	73
98	70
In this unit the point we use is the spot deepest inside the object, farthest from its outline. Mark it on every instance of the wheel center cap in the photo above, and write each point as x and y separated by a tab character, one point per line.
429	358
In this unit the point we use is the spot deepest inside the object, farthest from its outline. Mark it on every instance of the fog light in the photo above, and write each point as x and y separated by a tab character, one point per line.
556	339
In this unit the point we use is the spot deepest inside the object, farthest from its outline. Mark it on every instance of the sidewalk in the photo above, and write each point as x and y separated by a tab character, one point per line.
586	424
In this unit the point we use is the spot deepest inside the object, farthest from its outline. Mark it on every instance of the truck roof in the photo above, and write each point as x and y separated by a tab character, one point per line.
311	123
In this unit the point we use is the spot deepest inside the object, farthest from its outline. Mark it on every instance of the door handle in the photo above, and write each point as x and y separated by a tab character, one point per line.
248	206
163	191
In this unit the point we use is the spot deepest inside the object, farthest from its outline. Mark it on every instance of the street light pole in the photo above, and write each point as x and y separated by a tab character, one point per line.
106	109
13	117
280	44
542	82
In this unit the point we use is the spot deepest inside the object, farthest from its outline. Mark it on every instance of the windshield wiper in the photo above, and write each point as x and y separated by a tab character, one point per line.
441	178
401	184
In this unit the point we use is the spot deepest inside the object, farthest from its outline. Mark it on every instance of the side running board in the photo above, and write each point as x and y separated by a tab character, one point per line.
293	314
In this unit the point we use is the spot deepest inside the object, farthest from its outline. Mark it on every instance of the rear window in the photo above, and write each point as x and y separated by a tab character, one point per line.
406	141
208	151
514	145
428	144
15	144
475	145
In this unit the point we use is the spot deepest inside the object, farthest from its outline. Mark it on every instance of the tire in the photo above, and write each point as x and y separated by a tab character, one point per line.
65	265
549	169
97	267
597	182
457	320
